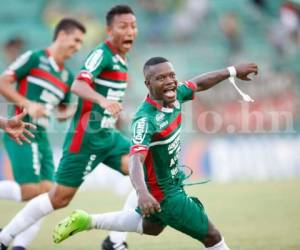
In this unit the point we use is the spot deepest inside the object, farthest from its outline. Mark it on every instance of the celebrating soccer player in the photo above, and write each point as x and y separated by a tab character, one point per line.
154	163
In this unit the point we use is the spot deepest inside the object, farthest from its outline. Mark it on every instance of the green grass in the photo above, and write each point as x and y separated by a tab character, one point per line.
252	215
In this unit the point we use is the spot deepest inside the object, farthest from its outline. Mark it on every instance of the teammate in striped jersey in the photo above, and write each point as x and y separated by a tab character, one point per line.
92	137
154	167
42	85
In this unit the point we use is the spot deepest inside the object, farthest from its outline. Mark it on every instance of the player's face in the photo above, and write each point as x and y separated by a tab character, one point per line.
162	83
122	32
71	42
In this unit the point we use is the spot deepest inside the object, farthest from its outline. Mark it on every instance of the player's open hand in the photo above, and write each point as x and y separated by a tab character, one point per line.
36	110
243	70
114	108
18	130
148	204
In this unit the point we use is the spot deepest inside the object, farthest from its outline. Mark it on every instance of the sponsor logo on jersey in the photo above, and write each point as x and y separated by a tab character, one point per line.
116	67
159	117
140	128
94	60
162	125
174	145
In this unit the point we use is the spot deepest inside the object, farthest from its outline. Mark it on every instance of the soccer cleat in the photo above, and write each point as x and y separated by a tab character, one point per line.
78	221
18	248
107	244
3	247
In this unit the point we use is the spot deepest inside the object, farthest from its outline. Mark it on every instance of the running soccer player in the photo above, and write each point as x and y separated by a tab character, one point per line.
154	163
16	129
92	138
43	84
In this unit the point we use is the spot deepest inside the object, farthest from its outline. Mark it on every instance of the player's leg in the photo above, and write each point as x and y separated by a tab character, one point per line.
25	161
69	177
118	159
36	209
214	240
23	239
187	215
122	221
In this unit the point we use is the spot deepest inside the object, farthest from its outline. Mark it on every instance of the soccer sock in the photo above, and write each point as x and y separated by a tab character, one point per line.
24	238
123	221
219	246
34	210
10	190
131	203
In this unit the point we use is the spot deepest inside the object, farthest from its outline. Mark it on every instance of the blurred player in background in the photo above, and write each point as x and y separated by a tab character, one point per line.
92	138
154	165
12	49
43	84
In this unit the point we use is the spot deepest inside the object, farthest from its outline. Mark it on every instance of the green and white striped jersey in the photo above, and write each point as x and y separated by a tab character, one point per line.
106	72
40	79
156	133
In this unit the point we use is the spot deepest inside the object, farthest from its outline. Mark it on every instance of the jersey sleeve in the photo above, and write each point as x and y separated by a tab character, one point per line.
22	65
186	91
142	131
93	66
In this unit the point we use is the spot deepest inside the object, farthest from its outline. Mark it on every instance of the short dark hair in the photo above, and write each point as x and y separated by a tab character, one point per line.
117	10
153	61
68	25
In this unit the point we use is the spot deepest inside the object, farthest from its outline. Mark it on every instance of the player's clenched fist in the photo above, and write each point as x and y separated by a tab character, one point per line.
114	108
35	110
148	204
243	70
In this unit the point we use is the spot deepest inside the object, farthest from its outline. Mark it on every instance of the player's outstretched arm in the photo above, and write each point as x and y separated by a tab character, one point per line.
85	91
208	80
17	129
146	202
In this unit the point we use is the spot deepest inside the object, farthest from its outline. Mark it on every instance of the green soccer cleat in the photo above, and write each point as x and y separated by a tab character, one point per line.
78	221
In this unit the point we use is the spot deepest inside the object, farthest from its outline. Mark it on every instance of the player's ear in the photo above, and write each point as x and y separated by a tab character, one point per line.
147	83
108	30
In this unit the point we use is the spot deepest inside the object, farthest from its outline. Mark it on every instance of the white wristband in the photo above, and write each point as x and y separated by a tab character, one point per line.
232	71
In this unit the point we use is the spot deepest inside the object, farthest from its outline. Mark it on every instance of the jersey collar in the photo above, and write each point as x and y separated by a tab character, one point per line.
159	106
53	63
115	52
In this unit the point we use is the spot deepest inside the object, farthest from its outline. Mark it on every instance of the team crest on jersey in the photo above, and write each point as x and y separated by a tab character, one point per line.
140	128
94	60
115	59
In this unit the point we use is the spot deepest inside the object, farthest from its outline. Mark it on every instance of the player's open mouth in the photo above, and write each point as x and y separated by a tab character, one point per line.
170	93
127	43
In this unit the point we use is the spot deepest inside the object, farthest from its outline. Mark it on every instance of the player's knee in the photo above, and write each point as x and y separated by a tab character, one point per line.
29	192
152	228
59	201
212	238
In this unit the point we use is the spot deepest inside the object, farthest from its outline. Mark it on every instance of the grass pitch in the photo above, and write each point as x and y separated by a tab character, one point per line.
251	216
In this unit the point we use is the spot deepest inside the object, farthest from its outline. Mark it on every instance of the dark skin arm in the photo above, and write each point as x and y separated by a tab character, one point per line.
146	202
208	80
